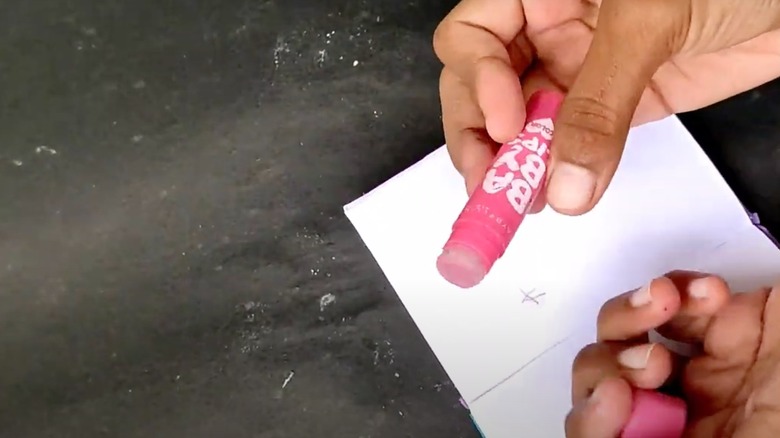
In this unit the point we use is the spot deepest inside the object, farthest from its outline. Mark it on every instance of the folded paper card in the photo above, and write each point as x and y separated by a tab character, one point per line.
508	343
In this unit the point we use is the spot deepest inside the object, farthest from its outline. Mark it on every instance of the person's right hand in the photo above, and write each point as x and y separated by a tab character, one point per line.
619	61
732	387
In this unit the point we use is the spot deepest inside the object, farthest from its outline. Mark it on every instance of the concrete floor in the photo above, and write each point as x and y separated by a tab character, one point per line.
171	181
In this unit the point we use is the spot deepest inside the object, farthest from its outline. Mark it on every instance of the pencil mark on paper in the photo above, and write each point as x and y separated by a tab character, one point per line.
519	370
532	296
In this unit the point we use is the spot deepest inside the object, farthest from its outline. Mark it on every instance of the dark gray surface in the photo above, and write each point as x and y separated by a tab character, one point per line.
161	274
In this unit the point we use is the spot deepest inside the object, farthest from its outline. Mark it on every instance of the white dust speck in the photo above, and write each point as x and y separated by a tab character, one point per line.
281	47
17	163
390	354
240	30
139	84
397	376
45	149
322	55
326	300
137	138
251	305
400	413
251	309
355	63
287	379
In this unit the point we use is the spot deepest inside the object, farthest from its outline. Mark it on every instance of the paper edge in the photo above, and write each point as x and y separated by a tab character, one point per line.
371	193
750	217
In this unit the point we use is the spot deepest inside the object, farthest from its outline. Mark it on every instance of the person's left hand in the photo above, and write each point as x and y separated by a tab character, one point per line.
732	387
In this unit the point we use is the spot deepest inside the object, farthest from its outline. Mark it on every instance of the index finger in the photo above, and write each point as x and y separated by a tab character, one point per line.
632	314
473	42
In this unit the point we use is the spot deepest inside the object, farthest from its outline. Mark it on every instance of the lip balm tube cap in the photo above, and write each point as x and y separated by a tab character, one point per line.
461	266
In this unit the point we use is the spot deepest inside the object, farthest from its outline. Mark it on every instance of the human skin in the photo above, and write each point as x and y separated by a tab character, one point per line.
621	63
732	387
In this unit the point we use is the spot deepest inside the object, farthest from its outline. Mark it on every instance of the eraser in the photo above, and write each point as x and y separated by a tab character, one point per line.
655	415
489	221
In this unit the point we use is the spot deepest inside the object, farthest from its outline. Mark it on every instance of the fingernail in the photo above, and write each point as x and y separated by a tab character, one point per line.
641	296
571	187
698	288
636	358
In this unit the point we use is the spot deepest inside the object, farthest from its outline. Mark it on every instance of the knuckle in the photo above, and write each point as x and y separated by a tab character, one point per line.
589	128
586	358
605	325
662	22
442	39
590	115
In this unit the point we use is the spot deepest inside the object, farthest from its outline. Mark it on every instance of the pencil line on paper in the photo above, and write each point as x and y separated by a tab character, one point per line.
525	365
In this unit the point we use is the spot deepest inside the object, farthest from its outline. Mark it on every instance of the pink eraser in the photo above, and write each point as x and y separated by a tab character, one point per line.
655	415
495	210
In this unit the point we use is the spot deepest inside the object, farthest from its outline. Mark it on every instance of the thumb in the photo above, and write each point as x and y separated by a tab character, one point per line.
604	413
632	39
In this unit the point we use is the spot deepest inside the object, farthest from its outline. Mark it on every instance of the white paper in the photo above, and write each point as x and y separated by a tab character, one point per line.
507	344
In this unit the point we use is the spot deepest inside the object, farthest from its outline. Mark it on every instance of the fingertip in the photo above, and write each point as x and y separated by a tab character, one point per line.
475	174
667	298
472	154
500	97
701	294
657	369
616	389
613	398
702	298
604	413
634	313
571	189
472	182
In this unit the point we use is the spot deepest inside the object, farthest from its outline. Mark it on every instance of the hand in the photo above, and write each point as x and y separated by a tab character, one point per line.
732	388
621	62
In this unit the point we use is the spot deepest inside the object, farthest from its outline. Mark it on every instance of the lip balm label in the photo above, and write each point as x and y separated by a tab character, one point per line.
522	167
495	210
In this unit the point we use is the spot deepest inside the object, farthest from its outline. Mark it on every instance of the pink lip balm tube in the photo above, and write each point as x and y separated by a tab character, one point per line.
655	415
495	210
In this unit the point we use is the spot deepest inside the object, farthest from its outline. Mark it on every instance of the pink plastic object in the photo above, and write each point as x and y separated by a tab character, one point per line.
655	415
495	210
